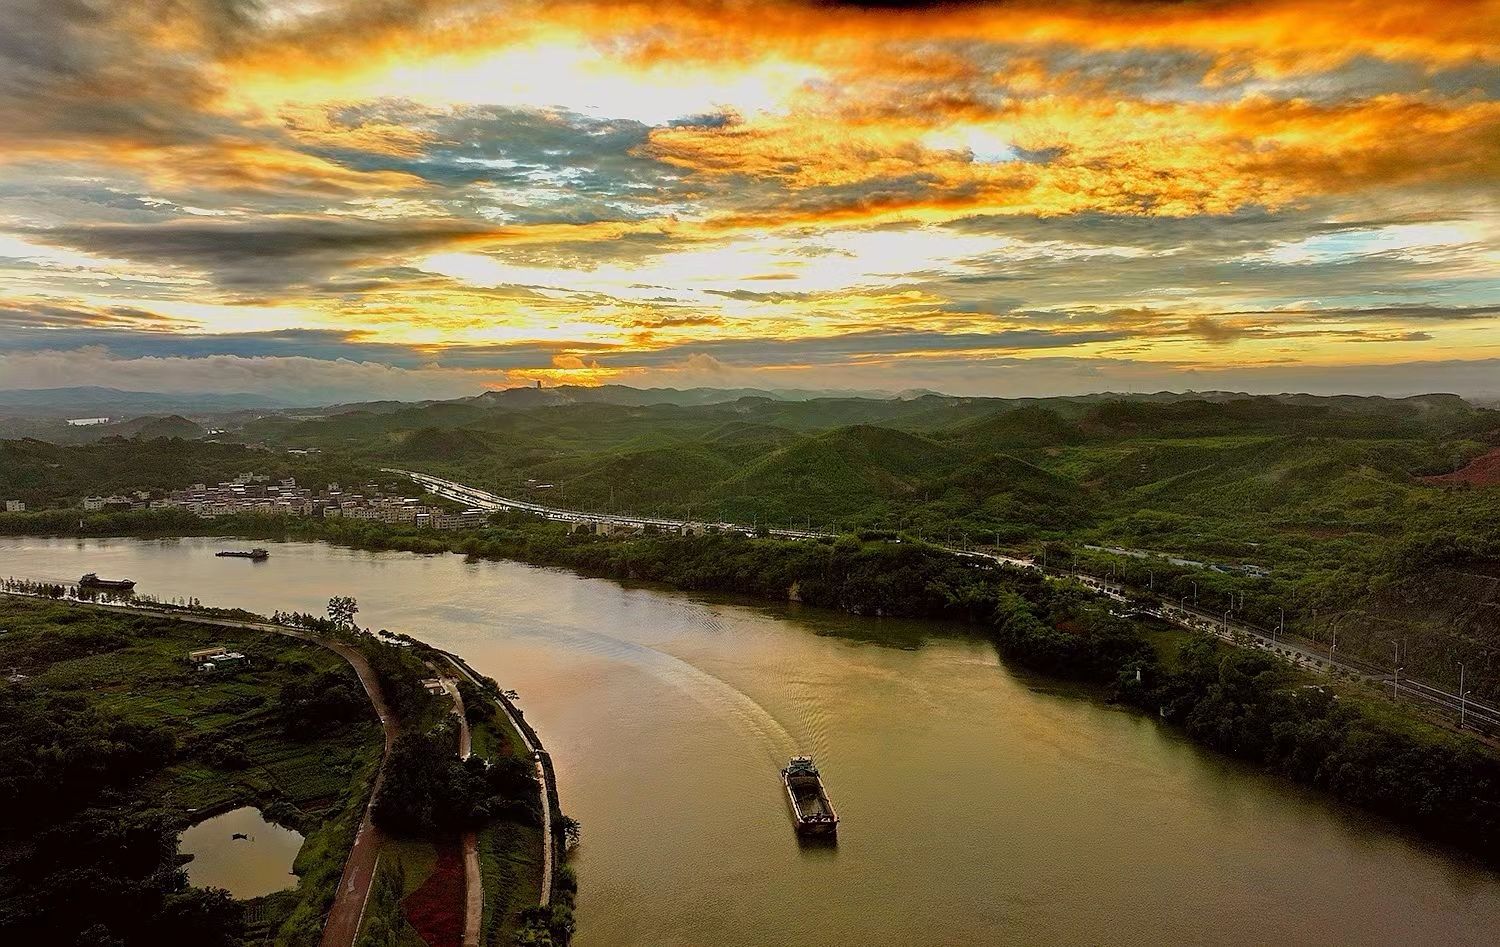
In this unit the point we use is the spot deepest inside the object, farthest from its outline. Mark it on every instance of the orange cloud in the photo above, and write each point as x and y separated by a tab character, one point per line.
1117	156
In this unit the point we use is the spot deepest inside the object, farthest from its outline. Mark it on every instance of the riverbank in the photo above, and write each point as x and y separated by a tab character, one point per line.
1246	704
511	887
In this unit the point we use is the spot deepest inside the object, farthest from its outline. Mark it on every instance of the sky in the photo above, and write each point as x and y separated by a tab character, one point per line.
350	199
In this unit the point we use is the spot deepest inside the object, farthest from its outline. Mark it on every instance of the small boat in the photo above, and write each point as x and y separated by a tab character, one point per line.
258	554
811	806
92	581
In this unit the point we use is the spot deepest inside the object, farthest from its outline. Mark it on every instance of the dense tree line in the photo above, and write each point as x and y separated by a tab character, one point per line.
401	673
106	878
317	703
62	754
93	876
428	790
1254	706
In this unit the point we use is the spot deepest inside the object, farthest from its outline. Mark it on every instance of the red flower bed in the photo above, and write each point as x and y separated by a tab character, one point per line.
436	909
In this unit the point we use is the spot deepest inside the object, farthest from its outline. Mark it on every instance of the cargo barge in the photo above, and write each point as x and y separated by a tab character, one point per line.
92	581
811	807
258	554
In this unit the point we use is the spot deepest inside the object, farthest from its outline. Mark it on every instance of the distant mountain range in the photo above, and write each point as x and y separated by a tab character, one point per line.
88	401
639	397
118	405
522	399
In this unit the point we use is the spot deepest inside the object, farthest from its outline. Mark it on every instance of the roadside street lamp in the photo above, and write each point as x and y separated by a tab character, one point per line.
1463	703
1195	590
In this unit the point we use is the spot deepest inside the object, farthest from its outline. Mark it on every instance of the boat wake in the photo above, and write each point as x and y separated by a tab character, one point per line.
720	699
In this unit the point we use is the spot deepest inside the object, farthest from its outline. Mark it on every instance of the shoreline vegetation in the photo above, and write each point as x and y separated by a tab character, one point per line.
211	752
1245	703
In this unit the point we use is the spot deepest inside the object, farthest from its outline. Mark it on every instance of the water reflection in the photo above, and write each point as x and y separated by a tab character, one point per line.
241	852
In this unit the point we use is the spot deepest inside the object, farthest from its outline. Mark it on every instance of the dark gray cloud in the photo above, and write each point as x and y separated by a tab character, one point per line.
263	255
59	315
328	345
325	346
559	165
82	72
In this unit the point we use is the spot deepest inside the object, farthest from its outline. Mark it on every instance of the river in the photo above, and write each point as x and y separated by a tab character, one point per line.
979	804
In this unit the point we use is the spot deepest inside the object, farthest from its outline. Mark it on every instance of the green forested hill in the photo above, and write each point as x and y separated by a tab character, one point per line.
1326	494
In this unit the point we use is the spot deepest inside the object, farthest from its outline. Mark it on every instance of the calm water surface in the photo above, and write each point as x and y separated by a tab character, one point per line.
249	867
980	805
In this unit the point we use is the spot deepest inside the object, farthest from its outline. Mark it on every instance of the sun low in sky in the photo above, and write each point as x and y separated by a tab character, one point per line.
340	199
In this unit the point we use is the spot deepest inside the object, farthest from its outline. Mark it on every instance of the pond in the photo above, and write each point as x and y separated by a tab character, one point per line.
241	852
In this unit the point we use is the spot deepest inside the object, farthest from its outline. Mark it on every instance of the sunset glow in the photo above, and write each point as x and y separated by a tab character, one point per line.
421	199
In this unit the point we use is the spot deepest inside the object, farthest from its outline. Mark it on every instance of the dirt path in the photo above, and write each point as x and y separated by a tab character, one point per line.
473	882
348	910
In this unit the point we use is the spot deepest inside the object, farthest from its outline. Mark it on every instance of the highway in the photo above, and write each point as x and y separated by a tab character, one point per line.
484	500
1480	717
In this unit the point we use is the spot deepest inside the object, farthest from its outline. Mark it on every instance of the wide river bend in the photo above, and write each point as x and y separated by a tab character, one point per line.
980	804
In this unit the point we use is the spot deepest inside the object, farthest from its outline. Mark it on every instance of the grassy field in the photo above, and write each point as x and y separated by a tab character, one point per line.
134	669
510	854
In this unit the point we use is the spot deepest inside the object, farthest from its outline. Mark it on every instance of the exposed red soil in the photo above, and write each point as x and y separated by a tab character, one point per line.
435	909
1482	471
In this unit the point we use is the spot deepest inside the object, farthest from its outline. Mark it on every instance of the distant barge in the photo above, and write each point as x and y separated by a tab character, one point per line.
258	554
92	581
811	806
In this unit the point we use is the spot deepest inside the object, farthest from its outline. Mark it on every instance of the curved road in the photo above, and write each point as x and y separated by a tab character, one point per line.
473	882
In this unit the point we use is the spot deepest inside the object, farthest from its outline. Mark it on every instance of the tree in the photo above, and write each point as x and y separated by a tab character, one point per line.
341	611
571	831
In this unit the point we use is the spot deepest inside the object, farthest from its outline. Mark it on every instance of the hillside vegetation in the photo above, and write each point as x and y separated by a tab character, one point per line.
1328	494
1336	510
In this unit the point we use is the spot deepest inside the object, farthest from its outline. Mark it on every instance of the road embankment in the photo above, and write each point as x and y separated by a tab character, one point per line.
552	835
